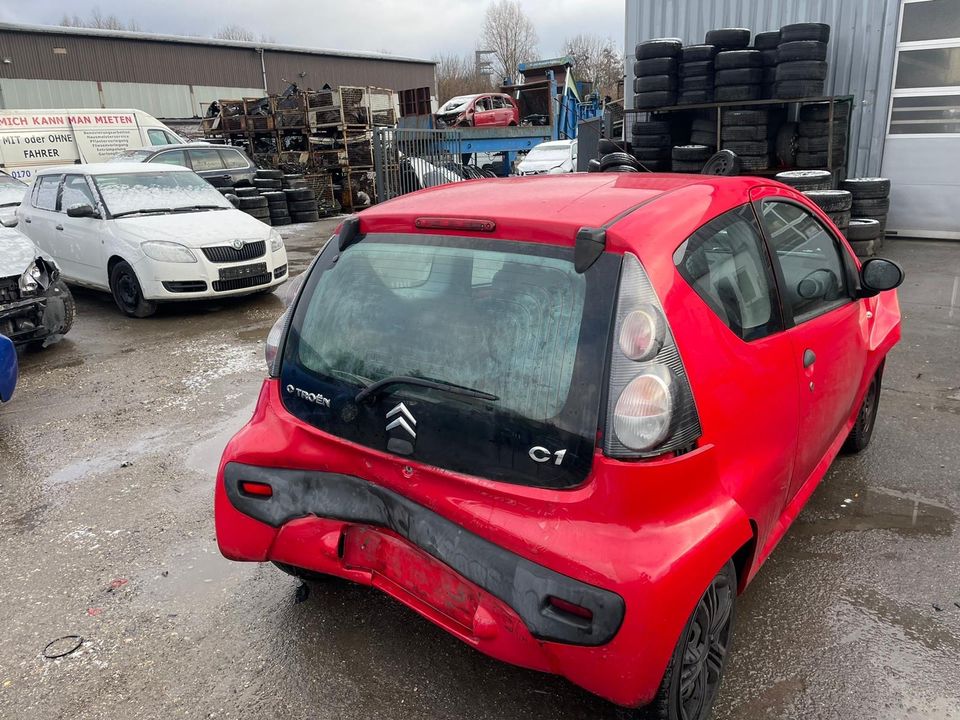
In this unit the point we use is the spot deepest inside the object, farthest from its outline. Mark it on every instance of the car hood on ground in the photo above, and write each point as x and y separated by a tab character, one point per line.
16	252
193	229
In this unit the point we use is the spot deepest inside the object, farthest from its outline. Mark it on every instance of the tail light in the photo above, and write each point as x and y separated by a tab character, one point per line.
650	408
272	347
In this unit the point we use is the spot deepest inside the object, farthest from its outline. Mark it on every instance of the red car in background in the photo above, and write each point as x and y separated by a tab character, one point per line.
565	418
485	110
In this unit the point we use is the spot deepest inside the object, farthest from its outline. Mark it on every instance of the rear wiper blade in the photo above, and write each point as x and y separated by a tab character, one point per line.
373	390
148	211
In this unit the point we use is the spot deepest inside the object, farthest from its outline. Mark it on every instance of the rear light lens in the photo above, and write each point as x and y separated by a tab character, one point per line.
641	418
641	335
565	606
256	489
443	223
274	338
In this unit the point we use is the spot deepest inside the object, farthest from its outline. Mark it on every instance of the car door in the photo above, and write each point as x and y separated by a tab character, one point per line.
81	239
483	112
37	221
826	325
207	163
237	165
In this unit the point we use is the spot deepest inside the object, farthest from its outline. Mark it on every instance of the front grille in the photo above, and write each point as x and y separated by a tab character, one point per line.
9	289
181	286
240	283
279	272
228	253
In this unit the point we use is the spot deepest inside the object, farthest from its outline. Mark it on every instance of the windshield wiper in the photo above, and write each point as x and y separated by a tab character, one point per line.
147	211
373	390
192	208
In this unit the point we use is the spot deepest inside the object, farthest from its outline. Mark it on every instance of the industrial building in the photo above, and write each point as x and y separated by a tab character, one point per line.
899	59
174	77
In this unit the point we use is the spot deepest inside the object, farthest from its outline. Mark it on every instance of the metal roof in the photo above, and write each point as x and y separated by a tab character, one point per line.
181	39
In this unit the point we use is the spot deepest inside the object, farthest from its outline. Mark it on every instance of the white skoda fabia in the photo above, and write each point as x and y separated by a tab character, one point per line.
149	234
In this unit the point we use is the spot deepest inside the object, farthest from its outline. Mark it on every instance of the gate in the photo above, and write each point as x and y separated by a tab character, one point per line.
409	159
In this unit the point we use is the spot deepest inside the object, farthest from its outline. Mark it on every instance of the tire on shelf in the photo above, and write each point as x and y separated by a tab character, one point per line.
872	205
698	68
808	144
819	32
696	82
831	201
743	133
840	219
691	153
820	112
767	40
737	93
867	188
863	229
654	165
659	98
769	58
698	53
702	137
750	163
606	146
802	70
739	76
786	144
651	154
801	50
695	97
651	127
733	59
658	47
616	158
804	180
791	89
810	160
733	38
705	124
652	83
687	166
655	66
748	147
745	117
651	141
723	163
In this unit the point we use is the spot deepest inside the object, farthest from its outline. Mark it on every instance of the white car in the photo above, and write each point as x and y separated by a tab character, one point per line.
149	234
557	156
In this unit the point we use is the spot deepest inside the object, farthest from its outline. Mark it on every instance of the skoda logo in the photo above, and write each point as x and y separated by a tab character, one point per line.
238	244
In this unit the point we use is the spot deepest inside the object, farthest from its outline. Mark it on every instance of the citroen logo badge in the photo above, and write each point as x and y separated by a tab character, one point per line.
402	418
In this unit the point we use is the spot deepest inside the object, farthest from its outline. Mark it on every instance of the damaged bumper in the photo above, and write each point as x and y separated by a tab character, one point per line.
42	317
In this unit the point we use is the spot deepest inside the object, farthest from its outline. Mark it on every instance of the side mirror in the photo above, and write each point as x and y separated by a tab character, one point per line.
82	210
234	199
878	275
9	221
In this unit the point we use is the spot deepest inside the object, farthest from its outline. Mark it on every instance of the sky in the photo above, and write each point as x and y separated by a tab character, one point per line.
401	27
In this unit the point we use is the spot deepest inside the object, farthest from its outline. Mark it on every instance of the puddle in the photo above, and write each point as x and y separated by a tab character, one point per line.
879	508
204	457
177	585
107	460
257	332
909	621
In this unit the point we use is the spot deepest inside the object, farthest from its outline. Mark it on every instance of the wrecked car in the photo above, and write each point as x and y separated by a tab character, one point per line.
12	192
36	307
482	110
565	418
8	368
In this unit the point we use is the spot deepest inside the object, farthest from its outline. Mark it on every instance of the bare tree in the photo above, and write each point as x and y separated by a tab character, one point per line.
457	75
597	60
238	32
510	34
99	21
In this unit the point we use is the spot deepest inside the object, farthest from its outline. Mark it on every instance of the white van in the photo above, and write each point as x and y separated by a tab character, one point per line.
33	139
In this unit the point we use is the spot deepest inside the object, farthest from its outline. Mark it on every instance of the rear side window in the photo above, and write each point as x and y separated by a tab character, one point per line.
233	160
207	159
171	157
726	263
45	197
809	258
511	319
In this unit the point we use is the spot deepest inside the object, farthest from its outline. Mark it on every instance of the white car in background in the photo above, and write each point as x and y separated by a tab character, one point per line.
149	234
557	156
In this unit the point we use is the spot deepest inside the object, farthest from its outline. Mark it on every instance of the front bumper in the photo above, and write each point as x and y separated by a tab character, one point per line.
32	319
165	281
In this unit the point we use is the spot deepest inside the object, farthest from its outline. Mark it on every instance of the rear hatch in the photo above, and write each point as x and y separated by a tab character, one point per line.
401	342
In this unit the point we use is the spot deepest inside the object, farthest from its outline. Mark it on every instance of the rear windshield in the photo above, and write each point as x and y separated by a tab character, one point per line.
509	319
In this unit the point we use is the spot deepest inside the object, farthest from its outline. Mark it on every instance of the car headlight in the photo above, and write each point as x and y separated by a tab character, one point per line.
30	279
168	252
276	242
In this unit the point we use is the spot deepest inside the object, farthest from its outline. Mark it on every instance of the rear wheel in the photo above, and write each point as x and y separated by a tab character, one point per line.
693	675
127	293
862	430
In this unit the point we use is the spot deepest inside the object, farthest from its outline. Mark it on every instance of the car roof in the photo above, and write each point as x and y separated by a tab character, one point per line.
554	143
183	146
116	168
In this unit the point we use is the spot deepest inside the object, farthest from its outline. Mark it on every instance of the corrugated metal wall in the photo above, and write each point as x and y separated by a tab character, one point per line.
862	49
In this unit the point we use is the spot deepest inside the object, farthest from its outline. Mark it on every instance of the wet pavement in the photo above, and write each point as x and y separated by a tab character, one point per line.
107	458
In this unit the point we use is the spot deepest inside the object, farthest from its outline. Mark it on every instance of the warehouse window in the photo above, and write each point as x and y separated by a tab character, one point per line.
930	20
928	67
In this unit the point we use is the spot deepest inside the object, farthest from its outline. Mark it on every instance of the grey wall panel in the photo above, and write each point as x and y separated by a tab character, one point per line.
47	94
862	47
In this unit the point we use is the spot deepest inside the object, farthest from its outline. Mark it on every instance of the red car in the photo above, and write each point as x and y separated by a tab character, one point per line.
486	110
565	418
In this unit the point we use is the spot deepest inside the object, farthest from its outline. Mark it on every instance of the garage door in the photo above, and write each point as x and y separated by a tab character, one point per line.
922	150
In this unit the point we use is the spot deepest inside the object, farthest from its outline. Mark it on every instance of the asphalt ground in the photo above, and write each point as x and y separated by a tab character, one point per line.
107	462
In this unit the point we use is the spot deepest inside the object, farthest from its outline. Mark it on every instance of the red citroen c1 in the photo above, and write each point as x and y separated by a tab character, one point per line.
565	418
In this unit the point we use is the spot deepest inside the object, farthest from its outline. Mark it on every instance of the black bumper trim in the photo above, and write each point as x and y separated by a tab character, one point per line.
523	585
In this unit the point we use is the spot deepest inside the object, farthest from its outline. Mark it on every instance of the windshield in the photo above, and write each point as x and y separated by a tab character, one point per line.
132	156
146	191
513	320
456	103
11	190
543	154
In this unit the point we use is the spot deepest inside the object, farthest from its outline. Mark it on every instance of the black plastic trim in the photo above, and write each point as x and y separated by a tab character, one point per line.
525	586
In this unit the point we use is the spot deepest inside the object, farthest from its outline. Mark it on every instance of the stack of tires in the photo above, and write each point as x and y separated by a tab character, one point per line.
766	44
268	180
696	74
690	158
835	203
871	202
739	75
651	144
277	205
814	132
255	205
802	60
703	130
746	133
655	73
302	204
807	180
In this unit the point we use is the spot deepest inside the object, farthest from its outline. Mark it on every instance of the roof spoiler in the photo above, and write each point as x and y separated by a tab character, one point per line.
591	242
349	233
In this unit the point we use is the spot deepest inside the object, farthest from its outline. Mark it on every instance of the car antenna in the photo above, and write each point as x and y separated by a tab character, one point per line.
591	242
349	233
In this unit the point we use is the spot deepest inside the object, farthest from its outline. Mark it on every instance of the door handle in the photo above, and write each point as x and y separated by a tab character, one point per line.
26	220
809	357
59	227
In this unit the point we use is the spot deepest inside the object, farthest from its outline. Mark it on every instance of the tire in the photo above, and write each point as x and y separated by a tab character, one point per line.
652	141
655	165
805	180
127	293
651	127
878	215
652	83
748	147
605	146
745	117
751	163
274	196
303	573
706	636
867	188
692	153
734	59
737	93
290	179
786	144
702	68
683	166
863	229
705	124
649	100
864	248
810	128
723	163
789	89
264	184
69	306
276	221
300	194
300	206
819	144
701	137
615	158
695	97
802	70
698	53
862	431
227	190
744	133
651	154
655	66
801	50
251	203
820	112
769	59
267	174
660	47
730	38
247	192
696	82
739	76
872	205
621	169
831	201
767	40
819	159
305	217
819	32
841	220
